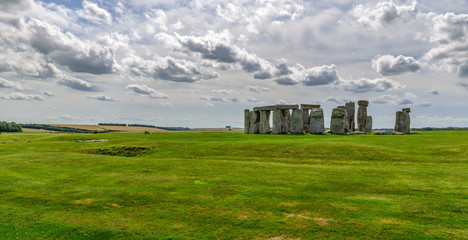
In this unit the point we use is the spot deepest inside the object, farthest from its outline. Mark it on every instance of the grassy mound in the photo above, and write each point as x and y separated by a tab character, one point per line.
234	186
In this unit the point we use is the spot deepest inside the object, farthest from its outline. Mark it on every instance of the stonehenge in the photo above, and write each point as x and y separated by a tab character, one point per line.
338	121
402	121
362	115
317	121
309	118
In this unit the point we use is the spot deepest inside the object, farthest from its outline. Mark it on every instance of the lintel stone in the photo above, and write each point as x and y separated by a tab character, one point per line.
286	107
309	106
264	108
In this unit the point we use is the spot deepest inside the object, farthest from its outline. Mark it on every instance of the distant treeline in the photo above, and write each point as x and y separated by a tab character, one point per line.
55	128
144	125
439	129
10	127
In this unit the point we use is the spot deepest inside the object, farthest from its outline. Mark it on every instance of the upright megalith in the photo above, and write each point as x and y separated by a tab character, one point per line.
264	122
399	122
317	121
246	121
407	128
402	121
297	124
306	109
254	122
362	115
351	116
338	121
346	126
369	124
282	118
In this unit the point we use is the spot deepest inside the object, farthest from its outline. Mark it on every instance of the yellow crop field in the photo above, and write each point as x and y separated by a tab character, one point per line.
113	128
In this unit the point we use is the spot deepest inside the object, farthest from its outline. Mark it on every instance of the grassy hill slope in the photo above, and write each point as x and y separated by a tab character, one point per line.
234	186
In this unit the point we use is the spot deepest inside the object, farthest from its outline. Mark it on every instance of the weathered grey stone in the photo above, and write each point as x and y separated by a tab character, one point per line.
399	122
264	122
264	108
317	122
407	127
148	132
287	120
338	121
306	119
246	121
296	122
309	106
351	116
369	124
286	107
254	122
346	117
363	103
387	132
362	115
279	121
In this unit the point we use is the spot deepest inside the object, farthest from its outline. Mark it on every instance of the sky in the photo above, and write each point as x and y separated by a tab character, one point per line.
196	63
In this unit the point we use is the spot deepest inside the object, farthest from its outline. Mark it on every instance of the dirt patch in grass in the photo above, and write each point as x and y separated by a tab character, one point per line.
122	151
84	201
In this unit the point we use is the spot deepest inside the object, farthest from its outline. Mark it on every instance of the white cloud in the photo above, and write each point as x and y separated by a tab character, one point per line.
383	13
336	100
388	65
407	99
92	12
363	85
450	34
145	90
434	92
10	84
167	68
258	89
102	98
78	84
223	91
23	97
49	94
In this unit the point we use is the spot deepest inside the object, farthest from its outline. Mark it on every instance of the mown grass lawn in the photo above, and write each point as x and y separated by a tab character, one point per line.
234	186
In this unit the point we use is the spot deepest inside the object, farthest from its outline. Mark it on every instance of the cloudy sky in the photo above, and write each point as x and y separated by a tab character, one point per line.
199	63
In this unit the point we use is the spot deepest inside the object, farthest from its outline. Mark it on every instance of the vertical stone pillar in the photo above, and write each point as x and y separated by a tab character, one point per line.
407	120
362	115
278	121
254	122
399	122
264	122
305	120
369	124
345	109
351	116
338	121
317	121
297	124
246	121
287	120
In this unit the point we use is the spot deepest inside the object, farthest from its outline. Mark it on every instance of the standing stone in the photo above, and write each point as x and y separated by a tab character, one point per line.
345	117
362	115
369	124
338	121
264	122
317	122
297	124
399	122
306	120
278	122
351	116
287	120
254	122
406	128
246	121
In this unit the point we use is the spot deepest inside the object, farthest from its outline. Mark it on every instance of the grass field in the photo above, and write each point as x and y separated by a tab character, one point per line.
234	186
112	128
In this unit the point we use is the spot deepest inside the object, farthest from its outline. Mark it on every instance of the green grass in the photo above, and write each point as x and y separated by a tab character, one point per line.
234	186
